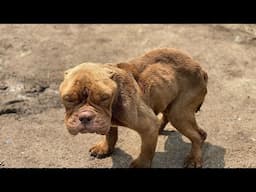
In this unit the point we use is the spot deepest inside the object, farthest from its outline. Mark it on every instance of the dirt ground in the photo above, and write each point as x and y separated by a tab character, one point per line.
34	57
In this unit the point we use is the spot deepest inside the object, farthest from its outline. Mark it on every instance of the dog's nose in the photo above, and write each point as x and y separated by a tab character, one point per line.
86	116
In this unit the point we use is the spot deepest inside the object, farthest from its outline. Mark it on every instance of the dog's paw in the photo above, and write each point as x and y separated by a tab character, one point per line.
191	162
138	163
100	150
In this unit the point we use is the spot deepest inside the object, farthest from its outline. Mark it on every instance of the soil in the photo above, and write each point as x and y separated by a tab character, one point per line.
34	57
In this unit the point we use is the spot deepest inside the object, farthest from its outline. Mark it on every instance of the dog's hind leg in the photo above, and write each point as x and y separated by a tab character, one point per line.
187	126
181	114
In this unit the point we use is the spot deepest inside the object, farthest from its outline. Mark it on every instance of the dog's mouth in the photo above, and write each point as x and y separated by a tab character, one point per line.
82	129
97	125
98	128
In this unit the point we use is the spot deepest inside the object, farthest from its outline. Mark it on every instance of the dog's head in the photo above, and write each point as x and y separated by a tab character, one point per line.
88	92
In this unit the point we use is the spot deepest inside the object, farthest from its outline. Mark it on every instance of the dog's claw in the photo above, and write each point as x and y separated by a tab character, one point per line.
100	152
191	162
99	156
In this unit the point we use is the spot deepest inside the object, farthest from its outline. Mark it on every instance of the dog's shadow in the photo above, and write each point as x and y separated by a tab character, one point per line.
120	159
174	154
176	150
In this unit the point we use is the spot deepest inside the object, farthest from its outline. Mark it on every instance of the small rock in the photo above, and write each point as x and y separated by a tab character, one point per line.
253	139
8	141
23	54
238	39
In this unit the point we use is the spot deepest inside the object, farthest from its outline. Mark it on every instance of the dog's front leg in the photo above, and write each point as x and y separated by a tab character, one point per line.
105	147
148	146
147	128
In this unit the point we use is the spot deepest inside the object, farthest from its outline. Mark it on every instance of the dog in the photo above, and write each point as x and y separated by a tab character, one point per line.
100	97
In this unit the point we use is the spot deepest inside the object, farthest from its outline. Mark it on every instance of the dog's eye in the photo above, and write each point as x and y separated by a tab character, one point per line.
104	97
69	100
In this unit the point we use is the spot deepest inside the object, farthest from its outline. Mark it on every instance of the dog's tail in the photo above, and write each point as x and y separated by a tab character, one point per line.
205	78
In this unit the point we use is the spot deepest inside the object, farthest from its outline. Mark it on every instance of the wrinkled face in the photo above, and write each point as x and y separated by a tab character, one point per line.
88	99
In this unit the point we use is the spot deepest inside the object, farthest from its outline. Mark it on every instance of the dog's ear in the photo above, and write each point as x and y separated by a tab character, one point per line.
124	107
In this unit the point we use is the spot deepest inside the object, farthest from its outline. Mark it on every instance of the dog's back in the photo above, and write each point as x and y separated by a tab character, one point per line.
163	74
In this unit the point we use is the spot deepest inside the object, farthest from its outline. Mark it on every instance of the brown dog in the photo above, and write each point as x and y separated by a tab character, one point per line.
99	97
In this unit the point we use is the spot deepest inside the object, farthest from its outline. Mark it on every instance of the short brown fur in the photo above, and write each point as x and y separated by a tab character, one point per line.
165	81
